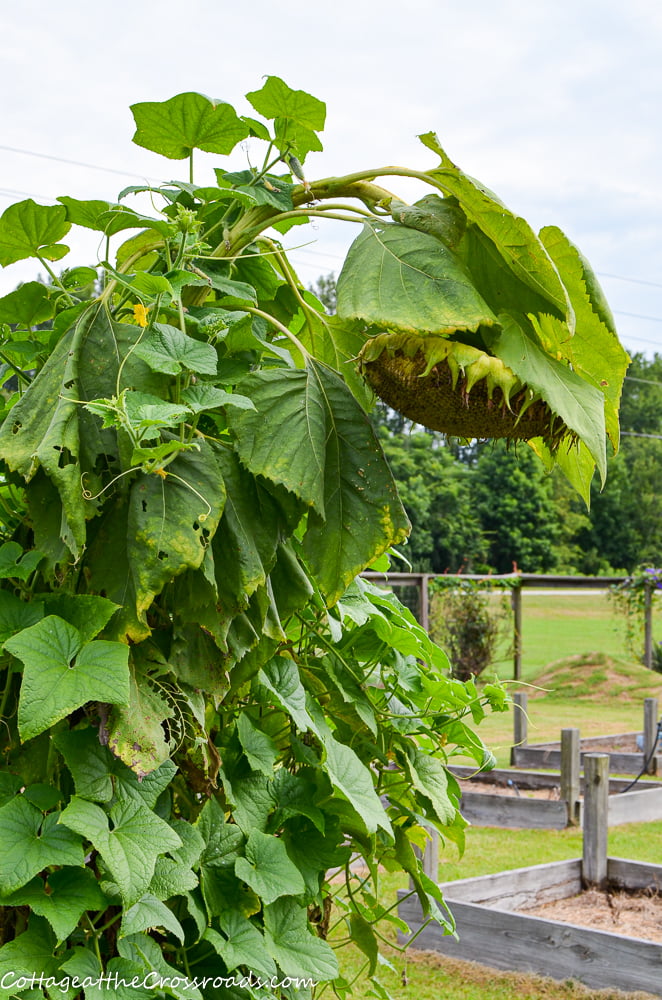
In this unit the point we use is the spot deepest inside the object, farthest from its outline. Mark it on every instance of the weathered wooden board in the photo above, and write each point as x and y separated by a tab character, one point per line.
483	809
490	933
548	755
640	805
520	887
624	874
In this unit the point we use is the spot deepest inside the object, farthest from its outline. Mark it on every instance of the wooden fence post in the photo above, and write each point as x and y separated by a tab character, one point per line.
520	732
648	625
596	795
516	603
424	604
570	773
430	856
650	733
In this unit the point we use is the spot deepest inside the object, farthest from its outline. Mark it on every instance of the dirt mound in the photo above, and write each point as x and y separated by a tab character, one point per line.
598	677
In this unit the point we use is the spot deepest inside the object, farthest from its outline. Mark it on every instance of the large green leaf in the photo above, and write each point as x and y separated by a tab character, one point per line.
280	678
577	402
88	614
31	230
167	349
267	869
243	945
406	280
261	751
170	519
32	842
189	121
47	434
130	846
63	899
595	351
147	913
49	428
61	673
276	100
27	305
309	434
428	776
173	875
351	777
29	954
16	615
255	518
337	342
290	942
298	116
90	763
511	235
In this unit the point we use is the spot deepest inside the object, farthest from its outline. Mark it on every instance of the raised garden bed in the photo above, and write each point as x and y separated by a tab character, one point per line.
532	799
629	753
494	927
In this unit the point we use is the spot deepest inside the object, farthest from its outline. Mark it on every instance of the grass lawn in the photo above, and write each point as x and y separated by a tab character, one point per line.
555	626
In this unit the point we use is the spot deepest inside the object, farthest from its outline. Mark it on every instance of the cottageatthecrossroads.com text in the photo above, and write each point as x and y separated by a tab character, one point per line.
151	981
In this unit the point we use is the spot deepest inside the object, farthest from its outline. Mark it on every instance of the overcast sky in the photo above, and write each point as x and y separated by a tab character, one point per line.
554	104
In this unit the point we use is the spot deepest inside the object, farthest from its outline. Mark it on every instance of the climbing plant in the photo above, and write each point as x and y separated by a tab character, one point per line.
206	713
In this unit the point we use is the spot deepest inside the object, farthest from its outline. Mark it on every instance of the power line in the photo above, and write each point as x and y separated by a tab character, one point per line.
635	281
646	381
653	319
636	434
62	159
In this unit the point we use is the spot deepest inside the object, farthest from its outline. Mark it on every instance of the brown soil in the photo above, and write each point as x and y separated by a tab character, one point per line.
485	788
629	914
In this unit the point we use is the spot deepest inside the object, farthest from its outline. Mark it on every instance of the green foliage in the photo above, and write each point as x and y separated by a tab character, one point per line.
205	712
631	599
436	490
468	623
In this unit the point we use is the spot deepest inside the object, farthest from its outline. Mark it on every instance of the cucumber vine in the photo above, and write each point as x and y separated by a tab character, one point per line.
207	713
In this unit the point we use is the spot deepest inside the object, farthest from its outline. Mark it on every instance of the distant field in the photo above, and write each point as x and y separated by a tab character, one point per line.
555	626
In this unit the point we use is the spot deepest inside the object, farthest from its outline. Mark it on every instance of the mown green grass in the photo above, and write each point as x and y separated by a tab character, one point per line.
555	626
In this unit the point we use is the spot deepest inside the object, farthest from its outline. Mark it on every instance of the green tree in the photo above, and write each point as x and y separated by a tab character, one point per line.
514	502
435	488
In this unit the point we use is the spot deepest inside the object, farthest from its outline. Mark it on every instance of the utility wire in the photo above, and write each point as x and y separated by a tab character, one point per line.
635	281
62	159
653	319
